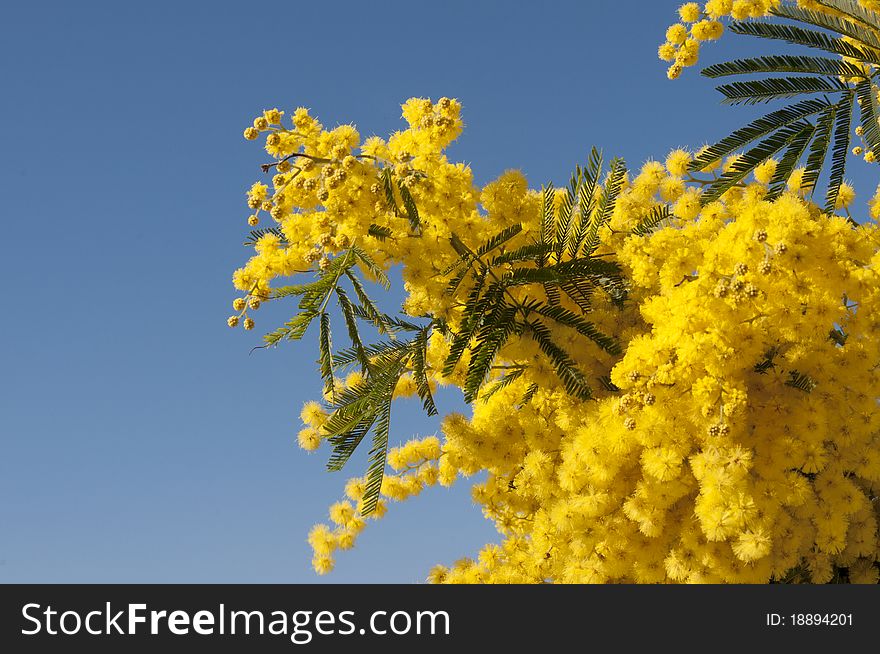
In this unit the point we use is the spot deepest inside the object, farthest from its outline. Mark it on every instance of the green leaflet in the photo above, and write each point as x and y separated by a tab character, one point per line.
775	88
783	64
256	234
560	263
811	128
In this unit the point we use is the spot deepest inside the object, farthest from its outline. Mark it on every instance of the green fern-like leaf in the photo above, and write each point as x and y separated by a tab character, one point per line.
499	326
608	385
839	152
747	162
563	221
378	455
793	153
326	354
819	147
867	101
419	349
547	216
657	217
559	263
801	381
256	234
499	239
527	252
775	88
531	391
578	323
856	12
367	309
363	408
412	212
350	317
387	178
572	379
366	262
759	128
293	329
379	232
605	206
506	380
865	37
810	38
784	64
586	201
348	356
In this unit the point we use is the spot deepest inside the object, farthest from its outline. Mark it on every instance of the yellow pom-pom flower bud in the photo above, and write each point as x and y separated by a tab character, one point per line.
346	539
323	564
666	52
718	8
689	12
764	171
677	34
741	9
313	414
677	162
355	489
341	512
273	116
796	180
707	30
309	439
438	574
845	195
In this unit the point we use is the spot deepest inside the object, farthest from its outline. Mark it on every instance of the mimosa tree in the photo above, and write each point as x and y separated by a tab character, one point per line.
672	370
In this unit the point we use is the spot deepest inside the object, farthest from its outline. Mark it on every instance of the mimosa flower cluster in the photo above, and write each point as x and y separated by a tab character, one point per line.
702	22
738	439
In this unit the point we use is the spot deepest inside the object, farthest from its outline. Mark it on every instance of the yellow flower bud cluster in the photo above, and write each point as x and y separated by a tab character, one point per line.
327	191
346	524
682	45
703	23
732	441
241	305
863	150
314	418
417	461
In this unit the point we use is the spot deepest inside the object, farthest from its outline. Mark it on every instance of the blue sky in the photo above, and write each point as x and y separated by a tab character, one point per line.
139	441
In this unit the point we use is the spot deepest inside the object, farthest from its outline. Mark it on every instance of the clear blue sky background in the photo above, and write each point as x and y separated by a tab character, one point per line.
139	442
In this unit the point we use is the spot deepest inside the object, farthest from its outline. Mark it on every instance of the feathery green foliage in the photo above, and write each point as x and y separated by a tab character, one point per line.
256	234
809	132
561	263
